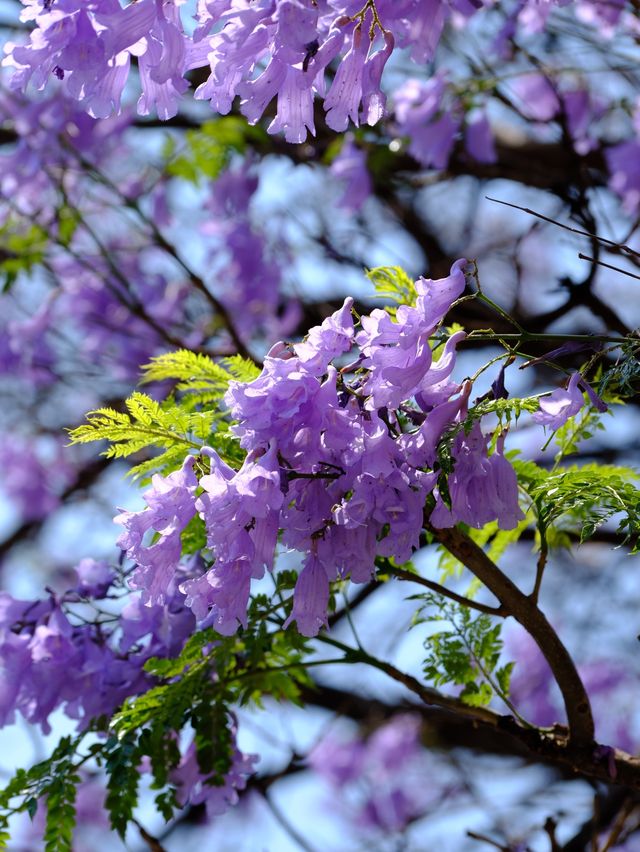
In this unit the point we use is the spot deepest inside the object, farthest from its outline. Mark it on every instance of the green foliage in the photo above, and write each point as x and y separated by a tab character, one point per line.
67	219
53	782
61	811
22	248
199	378
577	429
623	378
122	760
208	150
175	427
465	652
582	498
392	284
191	654
145	424
194	692
506	410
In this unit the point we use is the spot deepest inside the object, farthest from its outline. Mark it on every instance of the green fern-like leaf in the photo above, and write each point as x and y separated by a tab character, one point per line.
241	369
199	379
393	284
61	812
464	652
122	764
189	368
147	424
582	498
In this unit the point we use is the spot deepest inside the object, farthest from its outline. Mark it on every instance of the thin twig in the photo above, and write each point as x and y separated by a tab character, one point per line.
603	240
608	266
171	250
293	832
618	825
410	577
550	828
484	839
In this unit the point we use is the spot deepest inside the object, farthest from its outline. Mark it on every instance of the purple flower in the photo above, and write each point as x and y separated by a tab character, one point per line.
478	140
357	81
420	448
325	342
338	760
33	474
171	505
435	387
482	488
622	161
398	353
373	99
232	54
310	598
193	789
241	510
435	297
562	404
382	781
276	404
294	114
432	145
162	65
431	124
342	102
94	578
418	101
582	112
538	97
350	168
425	29
228	597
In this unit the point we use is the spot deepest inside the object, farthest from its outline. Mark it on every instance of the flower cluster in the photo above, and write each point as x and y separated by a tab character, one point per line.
385	781
247	265
52	657
256	50
340	464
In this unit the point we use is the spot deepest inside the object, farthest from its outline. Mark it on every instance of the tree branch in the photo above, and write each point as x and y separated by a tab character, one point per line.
410	577
526	612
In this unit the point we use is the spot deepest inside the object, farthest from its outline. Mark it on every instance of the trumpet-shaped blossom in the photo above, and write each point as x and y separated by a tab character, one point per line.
564	403
311	598
339	465
171	505
483	488
193	789
327	341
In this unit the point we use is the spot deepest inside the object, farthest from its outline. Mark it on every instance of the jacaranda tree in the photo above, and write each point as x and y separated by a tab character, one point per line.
348	290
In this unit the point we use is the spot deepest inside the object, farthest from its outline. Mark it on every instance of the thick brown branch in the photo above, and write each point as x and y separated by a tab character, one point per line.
526	612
